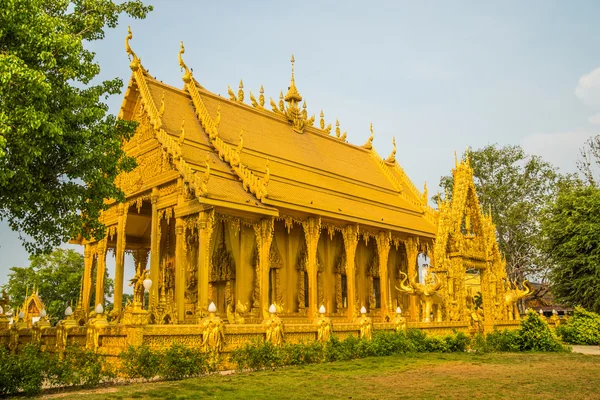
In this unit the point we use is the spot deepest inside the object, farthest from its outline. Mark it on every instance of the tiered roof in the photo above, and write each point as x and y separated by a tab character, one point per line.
274	161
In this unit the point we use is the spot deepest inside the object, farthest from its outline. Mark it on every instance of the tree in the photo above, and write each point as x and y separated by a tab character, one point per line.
57	278
571	229
514	187
589	161
60	150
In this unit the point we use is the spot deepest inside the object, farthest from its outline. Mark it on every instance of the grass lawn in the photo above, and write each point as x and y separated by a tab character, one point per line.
418	376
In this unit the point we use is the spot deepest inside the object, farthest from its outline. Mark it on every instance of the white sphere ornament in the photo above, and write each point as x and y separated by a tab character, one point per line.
363	310
43	313
322	309
99	309
21	315
68	311
398	310
147	284
541	311
212	307
272	309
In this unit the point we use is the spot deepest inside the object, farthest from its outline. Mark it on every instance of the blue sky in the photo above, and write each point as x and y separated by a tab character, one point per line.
439	76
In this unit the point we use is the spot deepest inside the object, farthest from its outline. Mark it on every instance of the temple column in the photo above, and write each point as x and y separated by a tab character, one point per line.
154	248
180	268
87	276
120	256
383	250
350	235
412	254
100	271
206	221
263	231
312	231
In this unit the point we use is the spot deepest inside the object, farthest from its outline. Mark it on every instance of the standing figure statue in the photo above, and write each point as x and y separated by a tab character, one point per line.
213	335
513	295
138	285
427	292
274	326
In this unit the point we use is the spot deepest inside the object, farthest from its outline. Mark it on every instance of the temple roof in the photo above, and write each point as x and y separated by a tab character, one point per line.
276	160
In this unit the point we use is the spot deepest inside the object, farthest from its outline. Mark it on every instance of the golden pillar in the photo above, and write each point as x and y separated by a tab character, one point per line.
120	256
100	271
412	254
383	239
263	231
87	276
350	235
312	231
180	268
206	223
154	248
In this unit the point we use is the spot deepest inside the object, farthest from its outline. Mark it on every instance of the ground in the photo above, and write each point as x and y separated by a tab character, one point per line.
417	376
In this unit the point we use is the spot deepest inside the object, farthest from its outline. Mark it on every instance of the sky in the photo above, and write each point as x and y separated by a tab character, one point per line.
437	76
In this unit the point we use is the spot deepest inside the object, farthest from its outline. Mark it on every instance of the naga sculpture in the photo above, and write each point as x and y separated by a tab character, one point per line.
427	292
237	316
513	295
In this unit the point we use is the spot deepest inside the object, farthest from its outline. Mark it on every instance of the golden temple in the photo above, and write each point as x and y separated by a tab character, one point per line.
278	221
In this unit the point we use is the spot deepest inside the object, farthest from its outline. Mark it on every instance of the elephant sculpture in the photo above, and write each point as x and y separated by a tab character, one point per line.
513	295
427	292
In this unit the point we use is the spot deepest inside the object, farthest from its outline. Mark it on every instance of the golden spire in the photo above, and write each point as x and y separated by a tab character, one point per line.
231	94
425	194
392	157
292	94
337	127
455	159
182	135
241	91
369	144
135	61
187	76
304	113
261	98
281	105
322	122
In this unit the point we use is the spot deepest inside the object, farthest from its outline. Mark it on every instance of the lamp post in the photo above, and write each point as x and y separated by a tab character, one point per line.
147	285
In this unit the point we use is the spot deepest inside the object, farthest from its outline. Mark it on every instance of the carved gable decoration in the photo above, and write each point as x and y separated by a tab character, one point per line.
275	259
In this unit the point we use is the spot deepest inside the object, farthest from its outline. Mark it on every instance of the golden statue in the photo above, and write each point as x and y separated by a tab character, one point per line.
324	326
366	325
427	292
138	285
237	316
513	295
400	321
274	326
213	335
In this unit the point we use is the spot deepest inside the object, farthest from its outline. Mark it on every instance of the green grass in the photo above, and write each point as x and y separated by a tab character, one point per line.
418	376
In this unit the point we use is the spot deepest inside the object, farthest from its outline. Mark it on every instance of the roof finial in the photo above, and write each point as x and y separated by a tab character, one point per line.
281	105
322	122
241	92
455	159
187	76
135	61
261	98
292	95
337	127
304	113
369	144
231	94
392	157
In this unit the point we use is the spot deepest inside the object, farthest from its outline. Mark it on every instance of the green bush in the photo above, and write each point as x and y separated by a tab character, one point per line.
457	342
582	328
140	362
504	341
23	373
78	367
181	362
535	334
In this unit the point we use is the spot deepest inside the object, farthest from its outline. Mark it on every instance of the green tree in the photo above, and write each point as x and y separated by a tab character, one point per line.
57	278
571	230
514	187
60	150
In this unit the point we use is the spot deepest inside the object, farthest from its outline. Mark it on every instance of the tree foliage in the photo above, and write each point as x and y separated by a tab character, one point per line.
571	229
514	187
60	150
57	278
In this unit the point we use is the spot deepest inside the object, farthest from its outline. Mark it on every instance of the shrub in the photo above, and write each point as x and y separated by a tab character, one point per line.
457	342
535	334
582	328
24	372
504	341
140	362
301	353
181	362
79	367
436	344
418	340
